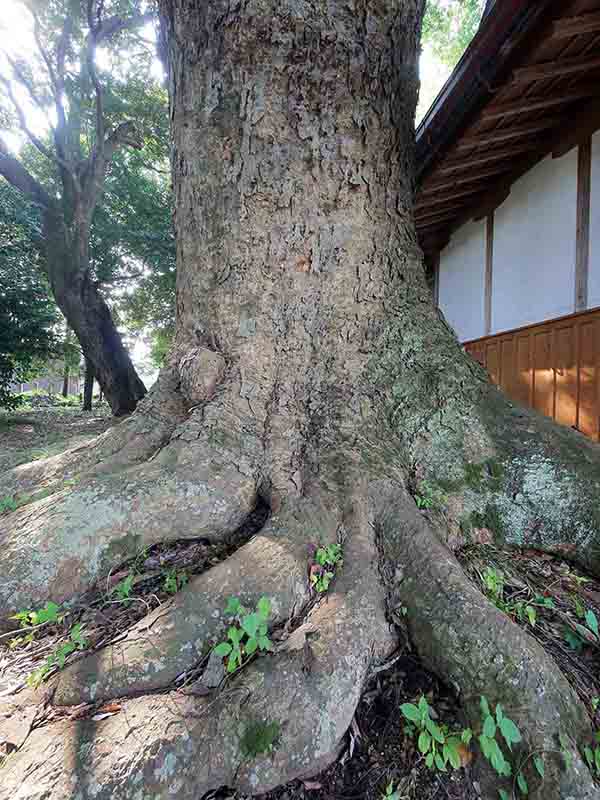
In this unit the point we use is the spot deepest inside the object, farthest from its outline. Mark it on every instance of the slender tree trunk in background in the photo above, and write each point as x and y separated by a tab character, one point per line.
88	386
65	386
88	315
310	371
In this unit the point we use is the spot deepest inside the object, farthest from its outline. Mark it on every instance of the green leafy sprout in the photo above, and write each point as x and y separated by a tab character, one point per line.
439	747
391	793
174	581
428	497
58	657
248	635
327	560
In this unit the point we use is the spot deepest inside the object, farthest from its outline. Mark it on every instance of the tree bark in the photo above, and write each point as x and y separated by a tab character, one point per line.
87	313
312	370
65	386
88	386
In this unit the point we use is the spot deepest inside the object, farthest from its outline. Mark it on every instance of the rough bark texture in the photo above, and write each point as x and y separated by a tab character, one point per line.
312	369
77	296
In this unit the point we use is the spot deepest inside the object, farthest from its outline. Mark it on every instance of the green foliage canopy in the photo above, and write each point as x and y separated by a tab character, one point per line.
28	315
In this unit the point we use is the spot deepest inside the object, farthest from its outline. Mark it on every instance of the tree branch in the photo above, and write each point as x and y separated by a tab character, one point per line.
16	174
22	120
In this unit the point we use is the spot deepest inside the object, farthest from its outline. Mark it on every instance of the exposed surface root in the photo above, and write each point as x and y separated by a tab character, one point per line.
57	547
176	636
476	648
557	597
185	746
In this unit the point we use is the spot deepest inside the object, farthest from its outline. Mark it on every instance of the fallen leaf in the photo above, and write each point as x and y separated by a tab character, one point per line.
297	639
109	708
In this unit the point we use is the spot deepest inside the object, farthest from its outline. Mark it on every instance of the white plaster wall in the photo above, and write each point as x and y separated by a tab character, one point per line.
534	246
461	281
594	273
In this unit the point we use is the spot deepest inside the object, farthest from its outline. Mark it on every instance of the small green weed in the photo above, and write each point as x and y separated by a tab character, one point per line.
592	755
30	620
124	588
58	658
259	738
428	497
8	504
498	725
439	747
390	792
494	585
327	560
174	581
595	703
248	635
582	635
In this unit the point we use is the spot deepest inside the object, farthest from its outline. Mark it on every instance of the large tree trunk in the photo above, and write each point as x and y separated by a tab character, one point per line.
312	370
87	313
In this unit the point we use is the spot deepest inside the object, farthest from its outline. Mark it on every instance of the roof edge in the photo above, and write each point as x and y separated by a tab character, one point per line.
502	29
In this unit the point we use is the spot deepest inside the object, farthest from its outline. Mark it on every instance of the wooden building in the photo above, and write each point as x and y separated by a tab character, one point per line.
508	203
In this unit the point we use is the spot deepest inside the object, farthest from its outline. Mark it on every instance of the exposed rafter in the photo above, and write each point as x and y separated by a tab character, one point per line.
555	69
576	26
526	105
506	134
475	160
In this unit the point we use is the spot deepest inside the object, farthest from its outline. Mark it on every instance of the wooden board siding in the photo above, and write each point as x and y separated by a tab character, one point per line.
553	367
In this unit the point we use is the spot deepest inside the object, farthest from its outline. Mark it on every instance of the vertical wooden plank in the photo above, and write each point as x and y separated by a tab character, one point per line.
566	376
582	246
522	385
489	272
507	365
492	361
543	399
588	390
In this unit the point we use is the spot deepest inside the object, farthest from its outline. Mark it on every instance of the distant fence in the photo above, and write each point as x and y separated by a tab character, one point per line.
50	385
553	367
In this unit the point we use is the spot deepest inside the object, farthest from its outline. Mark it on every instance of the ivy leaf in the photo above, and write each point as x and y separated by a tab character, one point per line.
440	764
251	624
510	732
264	608
591	620
434	730
424	742
485	708
223	649
411	712
265	643
232	607
489	727
251	646
538	763
429	760
503	794
467	735
522	784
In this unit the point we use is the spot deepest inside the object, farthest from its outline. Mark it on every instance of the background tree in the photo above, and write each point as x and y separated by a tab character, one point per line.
449	26
28	315
312	373
90	126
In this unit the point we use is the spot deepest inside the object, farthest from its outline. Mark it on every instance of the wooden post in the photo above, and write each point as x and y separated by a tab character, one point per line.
582	246
489	269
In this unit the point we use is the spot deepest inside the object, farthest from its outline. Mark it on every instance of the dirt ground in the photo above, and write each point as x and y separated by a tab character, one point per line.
32	434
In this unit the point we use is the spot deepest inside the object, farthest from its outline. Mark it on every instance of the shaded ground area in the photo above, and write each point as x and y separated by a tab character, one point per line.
32	434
